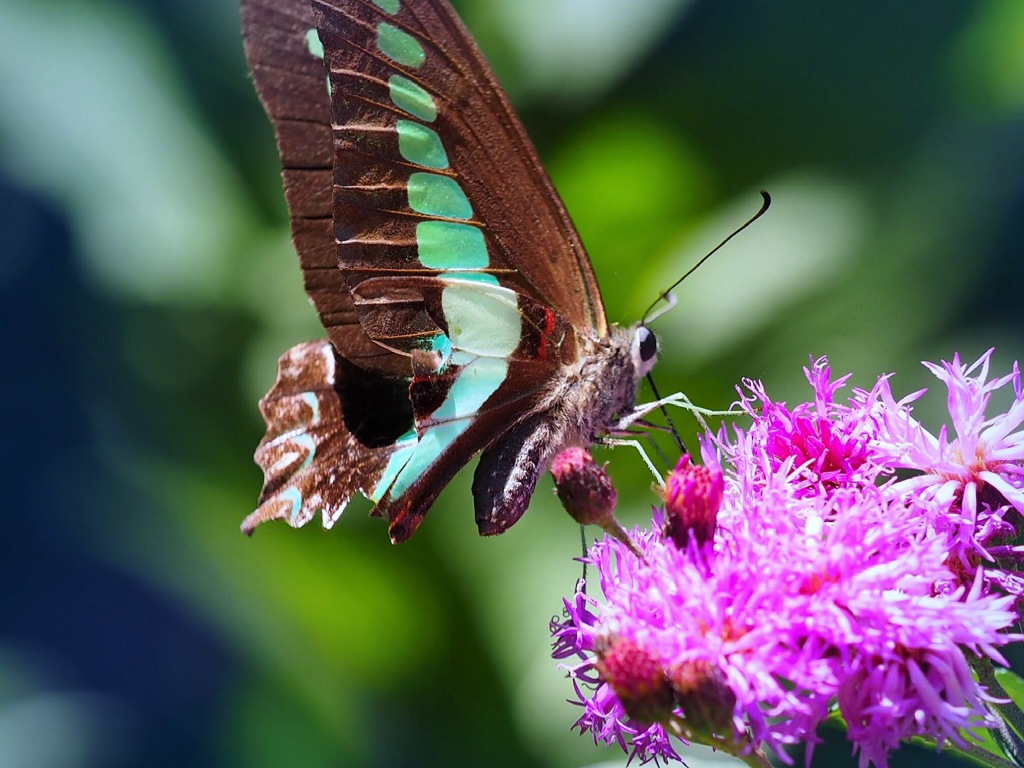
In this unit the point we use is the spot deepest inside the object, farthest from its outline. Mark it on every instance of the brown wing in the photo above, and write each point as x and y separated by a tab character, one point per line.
291	82
456	254
433	171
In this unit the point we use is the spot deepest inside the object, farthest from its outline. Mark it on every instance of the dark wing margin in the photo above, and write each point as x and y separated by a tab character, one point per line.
292	84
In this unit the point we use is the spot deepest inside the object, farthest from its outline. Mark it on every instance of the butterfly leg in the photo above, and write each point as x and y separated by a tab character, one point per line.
679	400
619	441
638	412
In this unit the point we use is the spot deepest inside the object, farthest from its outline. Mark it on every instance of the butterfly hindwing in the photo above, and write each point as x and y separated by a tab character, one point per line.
323	442
487	363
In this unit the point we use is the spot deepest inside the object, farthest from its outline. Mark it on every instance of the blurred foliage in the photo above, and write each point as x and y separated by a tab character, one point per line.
148	287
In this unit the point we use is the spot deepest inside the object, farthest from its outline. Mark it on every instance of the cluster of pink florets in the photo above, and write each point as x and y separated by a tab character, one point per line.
832	554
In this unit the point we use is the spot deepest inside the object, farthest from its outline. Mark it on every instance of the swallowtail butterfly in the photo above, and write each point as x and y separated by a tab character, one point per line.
461	311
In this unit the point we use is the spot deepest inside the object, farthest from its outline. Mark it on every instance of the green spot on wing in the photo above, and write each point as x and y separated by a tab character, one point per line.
314	406
482	319
388	6
307	442
476	277
399	46
438	196
476	382
449	245
294	495
404	448
410	97
441	344
313	43
421	145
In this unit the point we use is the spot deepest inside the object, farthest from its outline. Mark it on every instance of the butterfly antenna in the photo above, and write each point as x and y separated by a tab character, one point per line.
666	295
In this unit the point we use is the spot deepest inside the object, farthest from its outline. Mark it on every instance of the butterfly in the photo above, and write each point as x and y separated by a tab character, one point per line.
461	311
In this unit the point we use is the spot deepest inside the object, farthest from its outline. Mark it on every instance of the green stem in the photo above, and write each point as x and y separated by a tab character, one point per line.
755	758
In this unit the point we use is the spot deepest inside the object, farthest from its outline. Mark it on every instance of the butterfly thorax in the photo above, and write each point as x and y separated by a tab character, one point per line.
591	393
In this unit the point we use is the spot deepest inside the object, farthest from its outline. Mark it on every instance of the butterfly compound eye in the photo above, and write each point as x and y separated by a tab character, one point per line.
648	344
645	349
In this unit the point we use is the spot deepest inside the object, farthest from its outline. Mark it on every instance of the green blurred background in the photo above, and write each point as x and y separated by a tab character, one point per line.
147	286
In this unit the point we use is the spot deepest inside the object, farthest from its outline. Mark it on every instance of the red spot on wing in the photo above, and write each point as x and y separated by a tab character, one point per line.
549	326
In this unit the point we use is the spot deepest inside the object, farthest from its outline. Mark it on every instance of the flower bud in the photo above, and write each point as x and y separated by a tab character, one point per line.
587	493
637	678
583	487
693	496
706	700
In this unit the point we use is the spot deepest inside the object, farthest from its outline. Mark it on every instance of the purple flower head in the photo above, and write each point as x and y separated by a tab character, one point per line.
825	442
822	582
